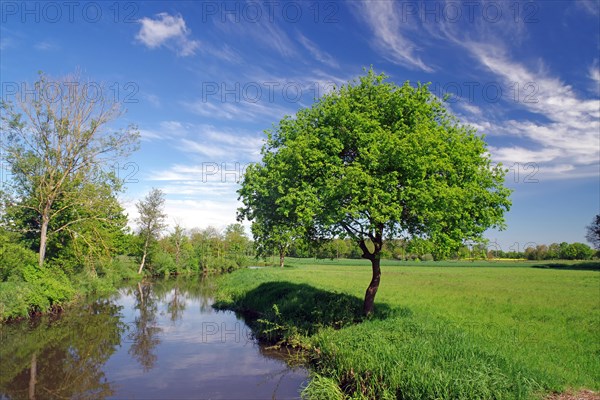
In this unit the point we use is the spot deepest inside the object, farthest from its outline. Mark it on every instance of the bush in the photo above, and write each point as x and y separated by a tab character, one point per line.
14	300
163	264
228	265
34	289
12	257
426	257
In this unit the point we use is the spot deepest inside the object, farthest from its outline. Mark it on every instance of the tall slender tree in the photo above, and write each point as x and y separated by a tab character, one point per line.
58	143
151	221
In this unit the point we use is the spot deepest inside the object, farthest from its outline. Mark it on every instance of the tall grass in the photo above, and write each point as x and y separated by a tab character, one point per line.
443	333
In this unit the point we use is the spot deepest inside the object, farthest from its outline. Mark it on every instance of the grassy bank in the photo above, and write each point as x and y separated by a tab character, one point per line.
30	290
476	331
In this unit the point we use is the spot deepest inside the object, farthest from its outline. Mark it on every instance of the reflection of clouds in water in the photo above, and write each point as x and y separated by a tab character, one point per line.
223	371
127	372
201	351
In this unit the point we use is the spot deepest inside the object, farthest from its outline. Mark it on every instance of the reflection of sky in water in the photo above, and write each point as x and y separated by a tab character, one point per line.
203	353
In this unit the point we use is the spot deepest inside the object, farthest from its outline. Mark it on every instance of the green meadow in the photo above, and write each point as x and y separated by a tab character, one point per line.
441	330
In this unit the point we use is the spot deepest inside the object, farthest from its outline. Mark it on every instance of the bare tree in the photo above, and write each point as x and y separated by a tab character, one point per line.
151	221
57	142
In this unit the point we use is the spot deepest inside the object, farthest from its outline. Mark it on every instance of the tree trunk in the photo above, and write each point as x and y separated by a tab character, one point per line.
282	250
43	239
144	255
142	263
375	258
32	377
373	286
177	253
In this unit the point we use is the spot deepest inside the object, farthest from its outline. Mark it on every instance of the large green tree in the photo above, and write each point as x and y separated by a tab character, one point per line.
59	143
373	160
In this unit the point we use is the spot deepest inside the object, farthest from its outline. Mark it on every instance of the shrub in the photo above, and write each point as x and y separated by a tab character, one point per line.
14	300
426	257
32	289
227	265
12	257
163	264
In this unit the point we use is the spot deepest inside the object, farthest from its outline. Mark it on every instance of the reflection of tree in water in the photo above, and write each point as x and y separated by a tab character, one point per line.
62	359
184	288
145	335
176	305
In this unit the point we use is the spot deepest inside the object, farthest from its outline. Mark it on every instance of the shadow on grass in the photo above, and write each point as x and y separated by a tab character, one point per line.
284	311
581	266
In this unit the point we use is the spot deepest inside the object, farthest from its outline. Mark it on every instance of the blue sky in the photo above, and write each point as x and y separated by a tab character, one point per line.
202	80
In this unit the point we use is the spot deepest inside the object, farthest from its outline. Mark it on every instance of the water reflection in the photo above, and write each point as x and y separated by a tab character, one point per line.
63	358
144	335
153	341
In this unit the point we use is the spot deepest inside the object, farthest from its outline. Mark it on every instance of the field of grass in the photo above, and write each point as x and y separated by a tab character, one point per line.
478	330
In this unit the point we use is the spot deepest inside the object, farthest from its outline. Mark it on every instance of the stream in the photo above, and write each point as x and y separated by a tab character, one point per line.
155	340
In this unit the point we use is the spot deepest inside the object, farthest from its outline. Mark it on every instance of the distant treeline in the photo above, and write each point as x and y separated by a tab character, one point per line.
199	250
209	249
422	250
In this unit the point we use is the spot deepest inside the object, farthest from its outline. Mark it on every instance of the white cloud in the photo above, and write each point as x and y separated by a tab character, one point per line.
562	125
224	52
469	108
385	21
594	74
152	99
203	213
508	155
46	45
147	135
263	32
317	53
167	130
242	110
222	146
5	43
551	97
276	38
169	31
592	7
207	142
194	213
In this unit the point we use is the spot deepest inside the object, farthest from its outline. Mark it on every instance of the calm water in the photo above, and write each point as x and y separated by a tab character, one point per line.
154	341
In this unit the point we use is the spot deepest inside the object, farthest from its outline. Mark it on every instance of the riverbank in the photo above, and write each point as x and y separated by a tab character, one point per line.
31	290
447	333
27	290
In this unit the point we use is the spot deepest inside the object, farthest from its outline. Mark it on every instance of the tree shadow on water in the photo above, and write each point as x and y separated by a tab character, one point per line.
280	311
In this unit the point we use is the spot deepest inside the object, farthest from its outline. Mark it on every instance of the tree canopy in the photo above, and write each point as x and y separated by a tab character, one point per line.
373	160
